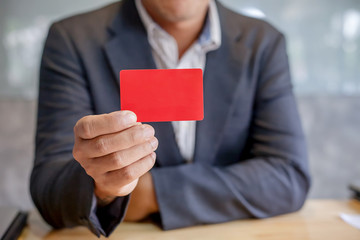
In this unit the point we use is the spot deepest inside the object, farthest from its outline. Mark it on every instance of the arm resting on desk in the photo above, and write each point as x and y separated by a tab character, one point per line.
273	180
60	188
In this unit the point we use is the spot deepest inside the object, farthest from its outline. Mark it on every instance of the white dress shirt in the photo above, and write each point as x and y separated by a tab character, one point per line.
165	53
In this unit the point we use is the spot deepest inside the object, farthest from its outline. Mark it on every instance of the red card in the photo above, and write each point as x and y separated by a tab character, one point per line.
163	94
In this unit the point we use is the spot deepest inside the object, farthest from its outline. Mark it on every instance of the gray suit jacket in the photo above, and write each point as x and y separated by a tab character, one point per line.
250	157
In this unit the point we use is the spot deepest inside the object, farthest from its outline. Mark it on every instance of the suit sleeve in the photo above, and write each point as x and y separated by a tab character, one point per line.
273	181
60	188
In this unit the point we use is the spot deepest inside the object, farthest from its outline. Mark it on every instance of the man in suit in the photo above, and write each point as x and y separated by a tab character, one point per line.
246	159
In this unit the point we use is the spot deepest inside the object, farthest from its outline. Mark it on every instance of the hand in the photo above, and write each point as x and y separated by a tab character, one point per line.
115	151
143	200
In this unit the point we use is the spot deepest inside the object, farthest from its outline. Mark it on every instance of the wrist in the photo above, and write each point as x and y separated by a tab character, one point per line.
152	201
103	198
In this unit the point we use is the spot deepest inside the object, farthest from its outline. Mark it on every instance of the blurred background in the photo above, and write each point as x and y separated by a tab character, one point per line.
323	39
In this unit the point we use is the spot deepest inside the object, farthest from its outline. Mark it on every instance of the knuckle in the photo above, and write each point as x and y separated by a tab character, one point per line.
87	129
117	160
90	170
77	152
133	136
84	128
128	174
100	145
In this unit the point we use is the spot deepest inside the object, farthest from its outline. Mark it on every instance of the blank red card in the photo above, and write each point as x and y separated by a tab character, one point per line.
158	95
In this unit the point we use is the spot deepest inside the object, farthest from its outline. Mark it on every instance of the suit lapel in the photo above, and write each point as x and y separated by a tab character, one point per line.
128	48
221	82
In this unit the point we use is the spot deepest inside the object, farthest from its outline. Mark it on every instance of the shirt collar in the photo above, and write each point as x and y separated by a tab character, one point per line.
210	38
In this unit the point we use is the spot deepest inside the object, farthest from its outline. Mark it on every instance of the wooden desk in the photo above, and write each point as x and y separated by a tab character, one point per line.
319	219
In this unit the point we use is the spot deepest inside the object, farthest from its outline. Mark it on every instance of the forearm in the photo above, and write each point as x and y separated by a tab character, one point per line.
197	194
143	200
59	189
63	193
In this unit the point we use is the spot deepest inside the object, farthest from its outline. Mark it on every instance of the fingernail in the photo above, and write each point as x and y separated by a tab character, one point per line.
130	118
154	143
148	131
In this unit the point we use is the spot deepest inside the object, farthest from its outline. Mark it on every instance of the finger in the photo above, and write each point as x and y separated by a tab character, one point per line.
123	158
106	144
131	172
93	126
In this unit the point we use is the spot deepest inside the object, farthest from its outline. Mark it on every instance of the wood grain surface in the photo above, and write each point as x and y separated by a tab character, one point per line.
318	219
